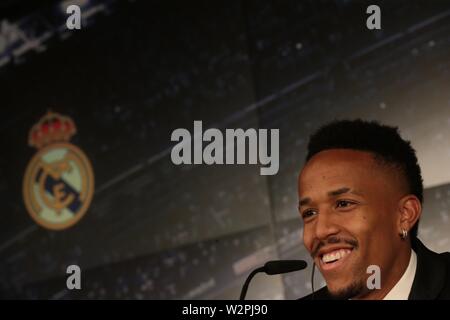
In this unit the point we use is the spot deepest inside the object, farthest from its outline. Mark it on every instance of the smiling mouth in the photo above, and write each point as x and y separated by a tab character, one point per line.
334	259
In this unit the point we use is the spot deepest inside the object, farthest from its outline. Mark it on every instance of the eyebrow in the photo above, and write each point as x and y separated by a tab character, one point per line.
332	193
338	192
304	201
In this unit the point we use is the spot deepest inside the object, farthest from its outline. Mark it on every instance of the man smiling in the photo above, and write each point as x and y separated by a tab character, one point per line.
360	198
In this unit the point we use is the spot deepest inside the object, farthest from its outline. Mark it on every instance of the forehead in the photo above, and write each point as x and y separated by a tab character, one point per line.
342	168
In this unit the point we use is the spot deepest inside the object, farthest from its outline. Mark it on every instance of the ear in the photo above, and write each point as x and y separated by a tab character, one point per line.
410	210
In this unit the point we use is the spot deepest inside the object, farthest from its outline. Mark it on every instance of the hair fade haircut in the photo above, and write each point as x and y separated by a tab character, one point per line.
383	141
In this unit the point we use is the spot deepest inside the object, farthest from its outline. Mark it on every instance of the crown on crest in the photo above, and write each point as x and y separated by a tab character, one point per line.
53	127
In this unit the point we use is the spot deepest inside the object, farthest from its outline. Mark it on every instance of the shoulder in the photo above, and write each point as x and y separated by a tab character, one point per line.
432	280
446	256
445	293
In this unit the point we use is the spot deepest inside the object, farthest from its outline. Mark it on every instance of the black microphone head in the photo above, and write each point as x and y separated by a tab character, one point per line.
284	266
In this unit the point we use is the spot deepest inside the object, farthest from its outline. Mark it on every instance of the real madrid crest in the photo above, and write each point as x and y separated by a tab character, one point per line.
59	181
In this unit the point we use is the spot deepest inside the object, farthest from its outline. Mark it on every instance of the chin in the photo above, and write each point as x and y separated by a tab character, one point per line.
348	291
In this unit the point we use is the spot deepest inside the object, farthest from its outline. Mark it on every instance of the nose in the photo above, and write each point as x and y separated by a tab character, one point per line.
325	226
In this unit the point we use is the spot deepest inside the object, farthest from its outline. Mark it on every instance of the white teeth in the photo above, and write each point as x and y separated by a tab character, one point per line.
335	255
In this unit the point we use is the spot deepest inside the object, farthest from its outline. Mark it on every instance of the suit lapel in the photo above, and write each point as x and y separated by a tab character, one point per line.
430	273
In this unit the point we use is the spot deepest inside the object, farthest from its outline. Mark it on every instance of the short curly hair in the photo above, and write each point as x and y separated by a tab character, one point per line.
383	141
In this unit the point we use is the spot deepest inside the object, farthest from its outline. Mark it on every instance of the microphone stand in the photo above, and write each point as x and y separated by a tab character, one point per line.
247	282
274	267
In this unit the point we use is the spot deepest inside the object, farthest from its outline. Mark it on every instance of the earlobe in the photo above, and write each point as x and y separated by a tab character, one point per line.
404	234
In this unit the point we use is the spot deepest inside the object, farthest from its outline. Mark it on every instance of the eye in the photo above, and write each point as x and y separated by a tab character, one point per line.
344	204
308	213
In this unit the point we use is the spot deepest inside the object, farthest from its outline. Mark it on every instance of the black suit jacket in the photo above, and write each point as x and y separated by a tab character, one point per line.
431	282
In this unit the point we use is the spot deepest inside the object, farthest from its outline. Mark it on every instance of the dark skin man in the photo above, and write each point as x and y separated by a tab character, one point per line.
355	210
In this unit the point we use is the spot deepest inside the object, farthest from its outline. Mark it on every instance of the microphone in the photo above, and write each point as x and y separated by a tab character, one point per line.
274	267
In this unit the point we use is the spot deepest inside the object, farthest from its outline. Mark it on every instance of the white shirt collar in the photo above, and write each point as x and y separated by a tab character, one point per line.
403	287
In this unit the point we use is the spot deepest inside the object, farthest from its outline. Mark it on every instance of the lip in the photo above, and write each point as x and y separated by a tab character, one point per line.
333	265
